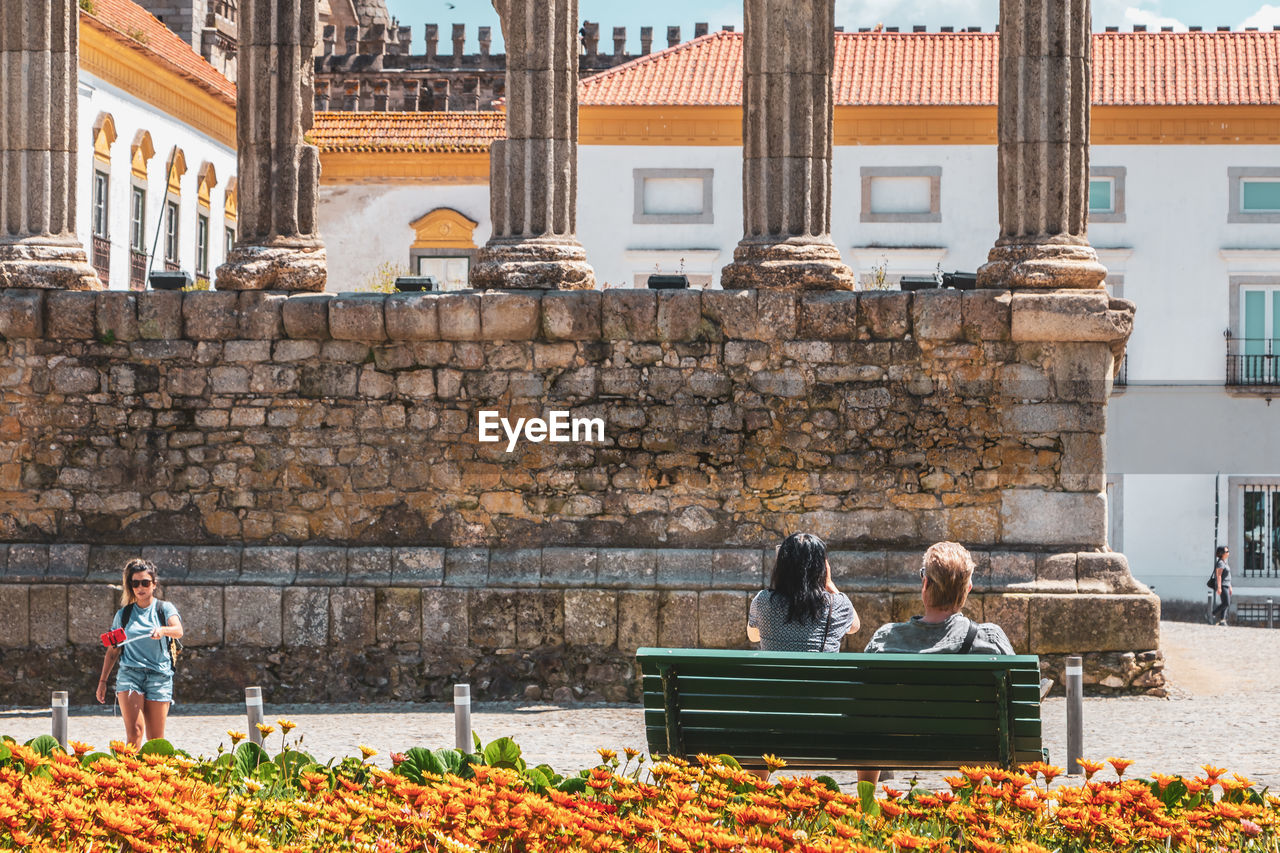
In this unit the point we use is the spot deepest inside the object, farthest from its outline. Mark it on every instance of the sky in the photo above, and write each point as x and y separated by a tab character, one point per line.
850	13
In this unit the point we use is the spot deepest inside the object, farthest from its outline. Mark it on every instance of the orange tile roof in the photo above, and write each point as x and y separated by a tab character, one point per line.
136	28
873	69
399	132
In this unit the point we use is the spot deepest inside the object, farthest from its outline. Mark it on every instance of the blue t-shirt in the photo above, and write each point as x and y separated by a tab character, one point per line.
146	654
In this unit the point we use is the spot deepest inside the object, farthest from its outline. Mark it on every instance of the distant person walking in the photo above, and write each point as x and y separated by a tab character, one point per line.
144	684
801	611
1221	581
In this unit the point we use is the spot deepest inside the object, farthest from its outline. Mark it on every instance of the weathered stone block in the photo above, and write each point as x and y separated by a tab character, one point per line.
1106	572
357	318
459	315
1081	372
306	616
260	315
885	314
739	568
517	568
590	617
827	316
509	316
21	313
722	619
173	562
417	566
1056	572
246	352
74	379
214	564
729	314
306	317
70	563
1068	316
679	315
106	562
29	564
683	569
1005	570
399	615
571	315
1034	517
253	616
984	315
936	315
200	610
874	610
15	612
321	565
1023	382
352	617
777	312
1083	462
466	567
48	619
629	315
90	609
539	619
328	380
117	316
445	618
1072	624
274	566
569	567
1011	612
1054	418
369	566
493	618
211	315
159	315
637	619
72	315
412	317
627	568
678	619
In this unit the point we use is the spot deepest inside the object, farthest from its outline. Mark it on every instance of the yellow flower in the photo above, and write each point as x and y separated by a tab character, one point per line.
286	726
773	762
236	736
607	755
367	752
264	729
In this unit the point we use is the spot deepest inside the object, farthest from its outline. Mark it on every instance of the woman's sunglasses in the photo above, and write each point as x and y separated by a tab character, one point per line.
140	583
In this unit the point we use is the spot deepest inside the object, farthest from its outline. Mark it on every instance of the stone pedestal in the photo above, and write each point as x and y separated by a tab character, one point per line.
278	247
788	61
1045	61
39	67
534	171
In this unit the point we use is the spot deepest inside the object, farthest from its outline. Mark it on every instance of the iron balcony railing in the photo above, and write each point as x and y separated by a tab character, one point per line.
1122	375
137	270
102	258
1253	362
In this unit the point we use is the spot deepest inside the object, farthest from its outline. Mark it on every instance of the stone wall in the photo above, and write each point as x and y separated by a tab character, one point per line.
307	473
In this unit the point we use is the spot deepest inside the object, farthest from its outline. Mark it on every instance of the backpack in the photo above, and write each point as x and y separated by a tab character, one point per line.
175	645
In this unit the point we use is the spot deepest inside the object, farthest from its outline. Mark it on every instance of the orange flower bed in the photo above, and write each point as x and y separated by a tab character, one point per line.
167	802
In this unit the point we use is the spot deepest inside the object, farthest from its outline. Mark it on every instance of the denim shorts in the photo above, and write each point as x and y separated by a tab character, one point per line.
155	686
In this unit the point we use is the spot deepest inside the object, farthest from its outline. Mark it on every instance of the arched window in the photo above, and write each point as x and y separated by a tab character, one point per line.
171	234
230	214
206	180
104	135
443	248
140	154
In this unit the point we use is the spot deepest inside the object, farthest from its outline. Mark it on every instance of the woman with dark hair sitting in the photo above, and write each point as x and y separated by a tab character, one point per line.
801	611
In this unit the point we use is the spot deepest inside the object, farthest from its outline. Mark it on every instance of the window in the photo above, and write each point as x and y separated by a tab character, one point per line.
1254	194
202	245
171	232
1106	194
138	221
1259	509
1253	348
101	183
1102	195
230	237
450	273
901	193
673	196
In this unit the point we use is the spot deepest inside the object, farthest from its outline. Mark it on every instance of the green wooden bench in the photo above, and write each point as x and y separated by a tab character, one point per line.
843	711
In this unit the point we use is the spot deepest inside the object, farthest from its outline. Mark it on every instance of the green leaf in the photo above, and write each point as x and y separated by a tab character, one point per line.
45	745
452	760
550	773
158	746
248	757
831	784
475	737
575	785
538	779
867	795
87	761
291	762
503	752
266	773
419	762
729	761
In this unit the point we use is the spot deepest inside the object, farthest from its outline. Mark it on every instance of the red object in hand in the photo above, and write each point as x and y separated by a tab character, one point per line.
113	638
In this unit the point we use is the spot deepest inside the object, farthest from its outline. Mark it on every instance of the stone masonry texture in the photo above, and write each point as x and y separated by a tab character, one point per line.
325	515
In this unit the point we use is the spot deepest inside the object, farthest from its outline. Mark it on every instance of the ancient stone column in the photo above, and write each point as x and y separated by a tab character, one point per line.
39	74
278	247
1045	78
533	185
788	59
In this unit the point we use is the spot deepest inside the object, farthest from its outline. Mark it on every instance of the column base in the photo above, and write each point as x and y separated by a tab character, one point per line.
42	266
1043	265
299	269
533	264
787	266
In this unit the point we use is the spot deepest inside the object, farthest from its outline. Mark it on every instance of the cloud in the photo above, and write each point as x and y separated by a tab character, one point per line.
1126	13
1266	17
904	13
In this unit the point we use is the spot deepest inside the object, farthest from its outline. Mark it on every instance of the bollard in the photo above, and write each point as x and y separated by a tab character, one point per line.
253	709
1075	713
462	717
60	718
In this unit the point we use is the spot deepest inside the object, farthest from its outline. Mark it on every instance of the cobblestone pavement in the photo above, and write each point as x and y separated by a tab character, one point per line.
1225	690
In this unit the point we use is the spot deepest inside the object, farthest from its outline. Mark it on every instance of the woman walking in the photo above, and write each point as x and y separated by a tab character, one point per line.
1221	584
801	611
144	683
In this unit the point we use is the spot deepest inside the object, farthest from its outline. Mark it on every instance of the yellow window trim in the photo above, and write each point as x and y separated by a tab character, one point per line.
104	136
444	228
